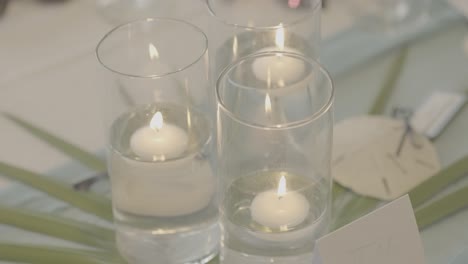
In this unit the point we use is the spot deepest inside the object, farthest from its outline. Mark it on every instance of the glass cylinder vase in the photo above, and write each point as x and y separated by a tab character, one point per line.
242	27
274	150
160	147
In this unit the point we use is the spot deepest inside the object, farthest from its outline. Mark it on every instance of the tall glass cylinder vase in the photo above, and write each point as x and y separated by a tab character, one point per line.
274	150
160	147
242	27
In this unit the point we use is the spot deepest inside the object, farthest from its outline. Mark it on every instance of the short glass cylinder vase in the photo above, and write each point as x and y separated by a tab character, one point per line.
242	27
160	130
274	151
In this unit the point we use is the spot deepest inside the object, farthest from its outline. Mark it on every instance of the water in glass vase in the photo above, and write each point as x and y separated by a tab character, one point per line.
163	186
273	217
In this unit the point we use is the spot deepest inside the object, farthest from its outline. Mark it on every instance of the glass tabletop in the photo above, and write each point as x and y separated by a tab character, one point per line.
357	59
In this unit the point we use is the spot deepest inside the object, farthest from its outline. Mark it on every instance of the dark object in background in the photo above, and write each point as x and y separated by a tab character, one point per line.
85	185
3	6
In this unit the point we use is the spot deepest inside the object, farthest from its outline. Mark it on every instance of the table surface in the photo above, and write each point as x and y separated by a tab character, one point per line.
49	75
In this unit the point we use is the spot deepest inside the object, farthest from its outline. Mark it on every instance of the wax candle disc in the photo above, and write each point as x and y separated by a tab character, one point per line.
280	69
269	210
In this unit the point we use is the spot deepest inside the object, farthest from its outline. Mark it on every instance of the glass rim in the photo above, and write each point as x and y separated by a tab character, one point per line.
145	20
310	118
272	27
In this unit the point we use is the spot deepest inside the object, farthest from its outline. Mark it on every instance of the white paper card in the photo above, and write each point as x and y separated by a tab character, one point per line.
388	235
436	112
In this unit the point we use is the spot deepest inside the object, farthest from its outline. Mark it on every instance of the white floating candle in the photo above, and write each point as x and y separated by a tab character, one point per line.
278	69
159	140
279	208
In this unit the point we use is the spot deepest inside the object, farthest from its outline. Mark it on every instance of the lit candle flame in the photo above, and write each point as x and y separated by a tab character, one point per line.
157	121
279	38
267	104
153	52
281	187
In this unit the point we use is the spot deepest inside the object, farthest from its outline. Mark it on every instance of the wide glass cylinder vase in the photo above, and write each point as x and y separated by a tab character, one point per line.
158	105
242	27
274	148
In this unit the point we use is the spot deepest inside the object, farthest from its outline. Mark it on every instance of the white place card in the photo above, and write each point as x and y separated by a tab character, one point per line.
388	235
437	111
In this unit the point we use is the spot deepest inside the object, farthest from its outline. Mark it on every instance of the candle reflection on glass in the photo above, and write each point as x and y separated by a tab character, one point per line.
278	69
267	104
155	66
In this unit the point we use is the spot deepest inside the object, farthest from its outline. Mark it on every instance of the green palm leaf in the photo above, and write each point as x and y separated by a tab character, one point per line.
47	254
442	207
88	159
357	206
390	83
88	202
59	227
442	179
361	205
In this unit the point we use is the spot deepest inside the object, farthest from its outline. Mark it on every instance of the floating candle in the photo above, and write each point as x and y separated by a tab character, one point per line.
159	140
279	208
